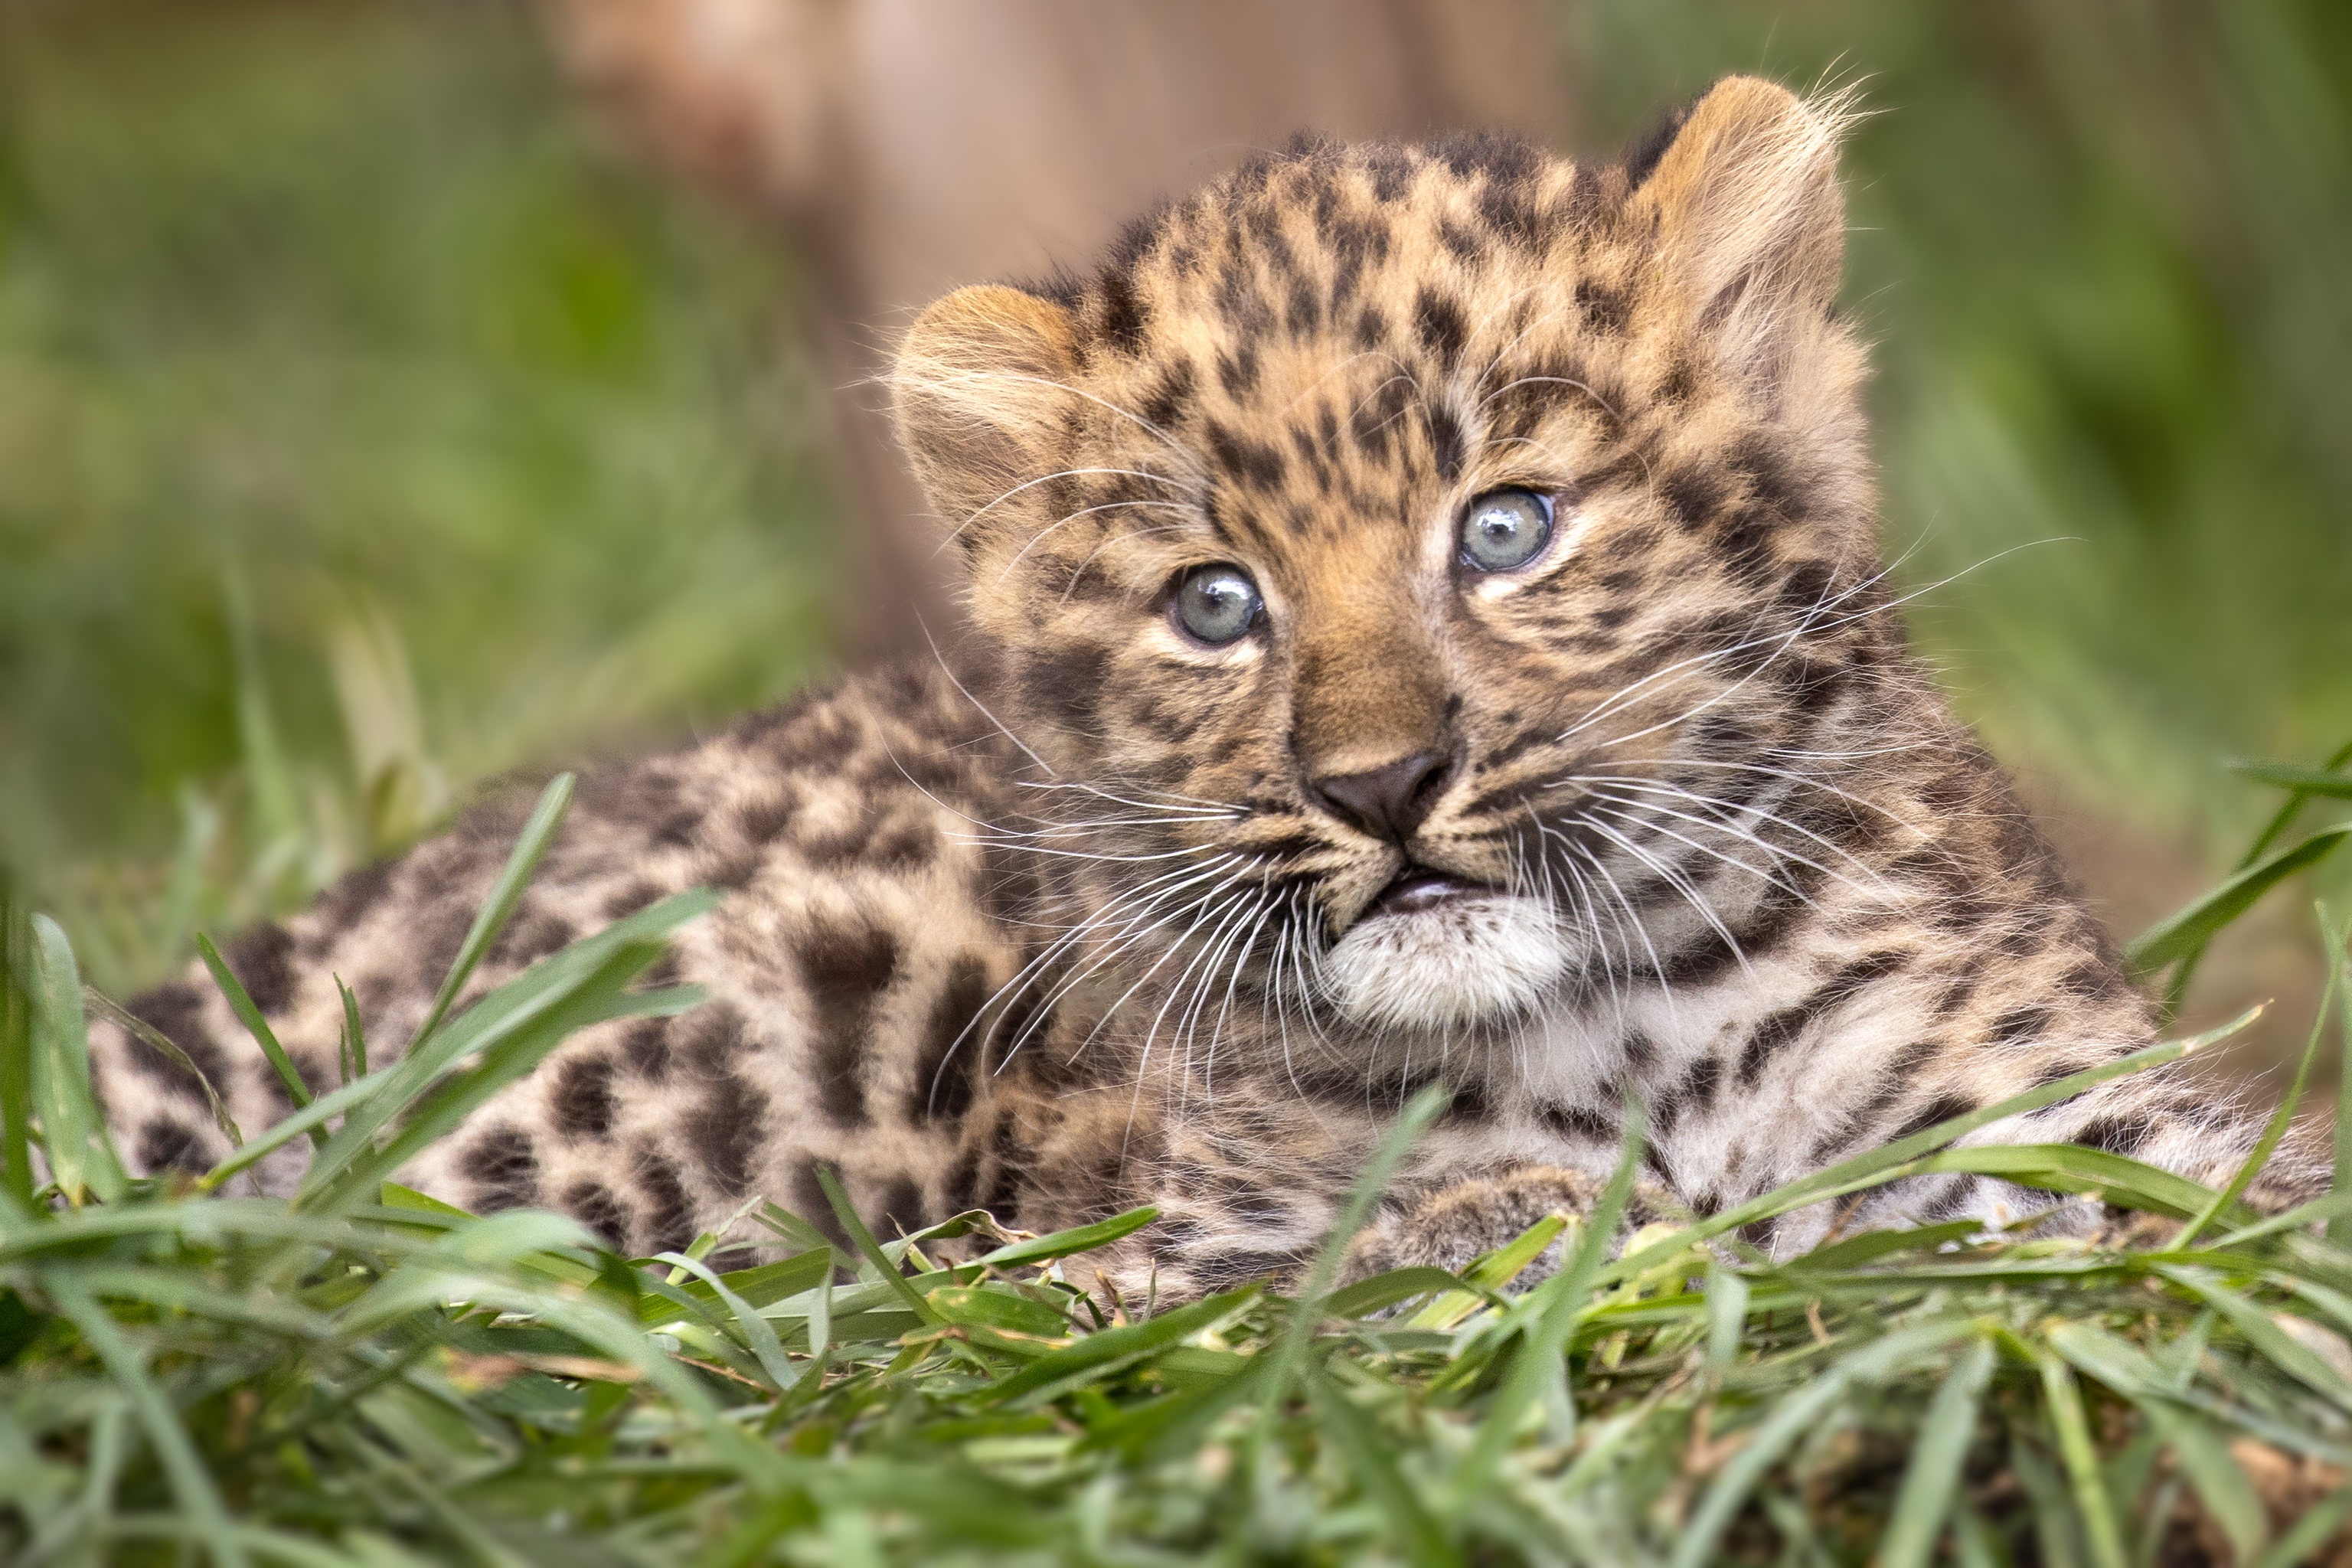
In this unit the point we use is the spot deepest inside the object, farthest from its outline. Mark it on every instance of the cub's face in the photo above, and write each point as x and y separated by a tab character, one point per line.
1368	543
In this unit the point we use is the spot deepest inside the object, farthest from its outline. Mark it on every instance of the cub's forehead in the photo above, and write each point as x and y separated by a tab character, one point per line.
1361	248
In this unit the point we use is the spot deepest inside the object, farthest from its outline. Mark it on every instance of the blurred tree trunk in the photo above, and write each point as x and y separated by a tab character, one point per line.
910	146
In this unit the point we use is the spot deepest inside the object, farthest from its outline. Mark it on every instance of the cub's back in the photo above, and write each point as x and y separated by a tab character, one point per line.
853	945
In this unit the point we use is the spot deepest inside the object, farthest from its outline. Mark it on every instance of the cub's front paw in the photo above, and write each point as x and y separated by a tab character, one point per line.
1446	1227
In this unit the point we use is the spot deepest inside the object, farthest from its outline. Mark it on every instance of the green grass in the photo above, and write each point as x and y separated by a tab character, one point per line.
360	1374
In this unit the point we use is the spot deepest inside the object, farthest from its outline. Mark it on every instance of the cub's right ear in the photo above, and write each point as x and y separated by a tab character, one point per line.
981	390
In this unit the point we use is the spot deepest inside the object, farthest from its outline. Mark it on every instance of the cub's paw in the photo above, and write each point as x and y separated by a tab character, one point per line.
1445	1227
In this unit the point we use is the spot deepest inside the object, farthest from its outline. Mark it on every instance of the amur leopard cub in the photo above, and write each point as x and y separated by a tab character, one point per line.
1425	626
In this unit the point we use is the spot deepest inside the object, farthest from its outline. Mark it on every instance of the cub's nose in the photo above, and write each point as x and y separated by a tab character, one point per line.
1390	801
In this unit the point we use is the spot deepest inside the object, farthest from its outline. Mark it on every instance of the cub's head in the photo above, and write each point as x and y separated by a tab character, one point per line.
1356	545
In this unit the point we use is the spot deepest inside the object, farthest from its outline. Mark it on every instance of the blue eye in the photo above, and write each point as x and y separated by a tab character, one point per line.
1217	604
1504	529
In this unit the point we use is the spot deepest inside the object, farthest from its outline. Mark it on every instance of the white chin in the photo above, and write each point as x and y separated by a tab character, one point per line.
1466	961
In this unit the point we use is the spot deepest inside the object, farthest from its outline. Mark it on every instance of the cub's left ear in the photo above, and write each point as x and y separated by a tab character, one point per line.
1748	211
982	388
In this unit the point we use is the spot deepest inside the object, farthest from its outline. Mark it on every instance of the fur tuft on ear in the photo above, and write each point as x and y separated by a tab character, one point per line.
980	385
1748	209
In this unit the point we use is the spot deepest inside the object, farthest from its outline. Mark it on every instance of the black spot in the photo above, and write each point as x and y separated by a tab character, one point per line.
1068	683
901	1206
2095	978
1446	440
166	1145
262	960
1238	371
713	1038
1577	1121
2116	1137
1605	310
1495	153
645	1048
582	1097
961	1184
1943	1107
810	1202
631	897
1695	1092
1004	1196
1439	326
504	1168
1778	1029
1693	494
670	1223
1246	461
1123	313
175	1011
345	904
2021	1025
531	935
724	1132
1772	481
843	969
948	1069
593	1205
762	819
1391	171
1171	395
1219	1272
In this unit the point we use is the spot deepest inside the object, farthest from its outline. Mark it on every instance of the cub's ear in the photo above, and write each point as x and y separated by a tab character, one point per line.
1748	212
981	388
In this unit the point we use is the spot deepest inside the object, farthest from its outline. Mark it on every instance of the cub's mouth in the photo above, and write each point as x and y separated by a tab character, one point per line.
1420	887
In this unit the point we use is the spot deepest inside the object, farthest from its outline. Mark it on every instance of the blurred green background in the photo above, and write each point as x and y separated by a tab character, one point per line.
373	421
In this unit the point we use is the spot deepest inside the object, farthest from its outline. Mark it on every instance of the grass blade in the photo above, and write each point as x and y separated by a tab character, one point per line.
241	1003
1063	1243
538	835
1397	1142
169	1048
758	1334
351	1048
1557	1302
1933	1478
190	1482
2291	1357
2221	1485
2063	1397
2300	1543
511	1008
82	1158
1796	1415
2332	942
867	1247
2185	932
2308	783
17	1049
2339	1227
1377	1474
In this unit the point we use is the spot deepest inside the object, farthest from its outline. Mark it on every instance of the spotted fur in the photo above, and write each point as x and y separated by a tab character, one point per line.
1099	926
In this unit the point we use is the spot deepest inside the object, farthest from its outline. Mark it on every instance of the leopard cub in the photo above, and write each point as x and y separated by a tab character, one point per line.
1424	626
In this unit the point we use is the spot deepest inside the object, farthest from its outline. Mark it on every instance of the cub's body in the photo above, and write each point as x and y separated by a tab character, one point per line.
1426	625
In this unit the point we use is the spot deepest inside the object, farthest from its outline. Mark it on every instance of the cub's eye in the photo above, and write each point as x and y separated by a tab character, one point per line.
1217	603
1504	529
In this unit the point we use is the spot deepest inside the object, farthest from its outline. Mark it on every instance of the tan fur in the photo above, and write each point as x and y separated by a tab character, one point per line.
1710	837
